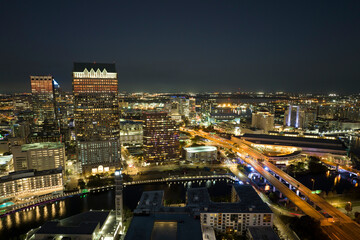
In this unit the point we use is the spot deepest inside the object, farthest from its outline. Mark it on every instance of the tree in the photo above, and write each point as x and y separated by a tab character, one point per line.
315	166
182	144
307	228
240	168
196	138
357	217
348	207
81	183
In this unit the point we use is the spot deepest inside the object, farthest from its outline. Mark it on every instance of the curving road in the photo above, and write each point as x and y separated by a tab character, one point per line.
341	227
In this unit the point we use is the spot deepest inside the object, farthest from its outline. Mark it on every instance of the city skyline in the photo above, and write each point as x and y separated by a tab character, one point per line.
180	120
190	47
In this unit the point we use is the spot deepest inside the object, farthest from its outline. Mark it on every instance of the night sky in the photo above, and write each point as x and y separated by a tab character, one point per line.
295	46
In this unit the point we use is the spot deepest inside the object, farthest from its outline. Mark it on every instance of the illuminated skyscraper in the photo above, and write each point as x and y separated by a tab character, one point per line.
96	111
294	117
43	102
96	115
161	141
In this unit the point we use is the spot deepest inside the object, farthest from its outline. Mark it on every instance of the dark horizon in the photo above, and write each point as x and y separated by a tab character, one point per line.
206	46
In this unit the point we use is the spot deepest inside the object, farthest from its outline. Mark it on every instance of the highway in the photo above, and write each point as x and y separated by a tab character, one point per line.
303	205
341	227
316	199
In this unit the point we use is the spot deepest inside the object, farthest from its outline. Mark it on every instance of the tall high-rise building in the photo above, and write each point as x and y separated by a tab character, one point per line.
294	117
96	115
263	120
96	108
192	108
43	102
161	142
61	112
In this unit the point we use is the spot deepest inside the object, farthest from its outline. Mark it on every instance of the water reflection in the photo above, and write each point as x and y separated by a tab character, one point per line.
45	212
53	210
21	222
37	213
8	221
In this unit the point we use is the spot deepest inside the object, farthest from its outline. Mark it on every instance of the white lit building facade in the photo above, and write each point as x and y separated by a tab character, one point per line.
201	154
39	156
131	133
99	156
30	182
245	210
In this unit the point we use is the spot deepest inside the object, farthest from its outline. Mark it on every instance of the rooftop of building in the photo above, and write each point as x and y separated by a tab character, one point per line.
80	67
197	197
28	173
200	149
150	201
83	223
289	138
302	142
154	221
249	202
48	145
263	233
176	226
198	200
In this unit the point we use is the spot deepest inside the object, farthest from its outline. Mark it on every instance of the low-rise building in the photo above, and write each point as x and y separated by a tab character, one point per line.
99	156
30	182
201	153
131	133
245	210
201	215
263	120
39	156
92	225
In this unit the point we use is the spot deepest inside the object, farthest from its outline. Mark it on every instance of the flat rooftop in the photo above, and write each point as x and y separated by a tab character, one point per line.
263	233
48	145
150	201
249	201
200	149
164	230
164	226
303	142
83	223
154	221
197	196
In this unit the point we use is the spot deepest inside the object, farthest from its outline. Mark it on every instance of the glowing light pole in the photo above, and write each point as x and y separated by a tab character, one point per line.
313	181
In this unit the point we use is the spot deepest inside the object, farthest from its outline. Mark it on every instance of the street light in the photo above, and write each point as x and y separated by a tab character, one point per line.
313	181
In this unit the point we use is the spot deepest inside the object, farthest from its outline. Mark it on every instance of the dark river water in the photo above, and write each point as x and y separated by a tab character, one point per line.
329	182
16	225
